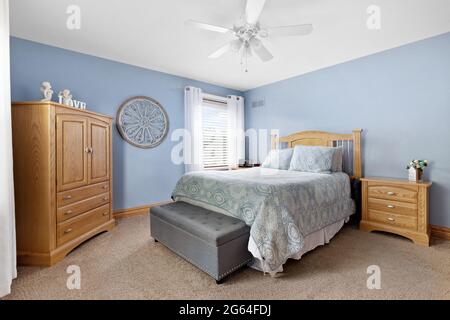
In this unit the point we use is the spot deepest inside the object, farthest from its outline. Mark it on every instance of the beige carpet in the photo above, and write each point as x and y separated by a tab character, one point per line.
126	264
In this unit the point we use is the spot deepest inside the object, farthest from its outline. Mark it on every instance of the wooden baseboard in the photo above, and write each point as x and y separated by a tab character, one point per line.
137	211
440	232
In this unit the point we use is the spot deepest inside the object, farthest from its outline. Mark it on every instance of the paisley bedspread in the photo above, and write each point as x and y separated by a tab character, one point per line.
280	206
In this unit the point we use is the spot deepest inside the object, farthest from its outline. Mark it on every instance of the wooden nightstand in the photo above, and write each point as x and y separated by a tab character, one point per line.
397	206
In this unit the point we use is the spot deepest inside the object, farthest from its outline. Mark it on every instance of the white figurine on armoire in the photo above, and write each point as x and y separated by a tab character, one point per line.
46	89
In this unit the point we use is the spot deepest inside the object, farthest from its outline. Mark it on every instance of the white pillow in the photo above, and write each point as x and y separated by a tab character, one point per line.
278	159
316	159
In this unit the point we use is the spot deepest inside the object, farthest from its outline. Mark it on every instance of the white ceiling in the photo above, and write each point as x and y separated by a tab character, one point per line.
151	33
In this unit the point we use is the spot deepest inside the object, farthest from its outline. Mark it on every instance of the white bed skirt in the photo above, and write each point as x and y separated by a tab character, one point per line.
312	241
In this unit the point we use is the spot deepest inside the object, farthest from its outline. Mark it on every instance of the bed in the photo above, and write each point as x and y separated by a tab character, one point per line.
289	212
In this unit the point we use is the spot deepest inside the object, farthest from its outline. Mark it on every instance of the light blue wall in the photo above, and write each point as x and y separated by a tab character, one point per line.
400	97
140	176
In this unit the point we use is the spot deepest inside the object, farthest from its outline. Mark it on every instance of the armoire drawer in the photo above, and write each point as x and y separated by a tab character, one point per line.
68	197
73	228
77	208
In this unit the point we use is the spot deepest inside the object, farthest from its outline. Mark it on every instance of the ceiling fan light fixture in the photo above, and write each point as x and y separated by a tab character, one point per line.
236	45
255	43
248	34
263	33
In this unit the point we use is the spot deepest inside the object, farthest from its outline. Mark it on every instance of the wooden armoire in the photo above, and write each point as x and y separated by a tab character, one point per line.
62	178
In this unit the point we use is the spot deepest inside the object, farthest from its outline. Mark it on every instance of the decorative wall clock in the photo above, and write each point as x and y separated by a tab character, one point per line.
142	122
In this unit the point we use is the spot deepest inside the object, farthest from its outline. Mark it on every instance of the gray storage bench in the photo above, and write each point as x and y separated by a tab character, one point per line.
214	242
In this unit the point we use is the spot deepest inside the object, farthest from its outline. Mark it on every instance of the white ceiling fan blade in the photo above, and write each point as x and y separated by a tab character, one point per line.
253	10
206	26
260	50
221	51
298	30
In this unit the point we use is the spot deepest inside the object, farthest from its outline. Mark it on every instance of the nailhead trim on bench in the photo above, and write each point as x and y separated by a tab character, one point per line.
223	275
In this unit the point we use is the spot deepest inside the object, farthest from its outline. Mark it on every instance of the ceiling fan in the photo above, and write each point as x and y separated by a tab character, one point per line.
249	33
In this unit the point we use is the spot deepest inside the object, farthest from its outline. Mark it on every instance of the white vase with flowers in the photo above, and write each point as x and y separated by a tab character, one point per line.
415	168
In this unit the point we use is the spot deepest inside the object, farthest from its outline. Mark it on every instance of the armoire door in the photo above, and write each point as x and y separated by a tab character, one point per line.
71	151
99	142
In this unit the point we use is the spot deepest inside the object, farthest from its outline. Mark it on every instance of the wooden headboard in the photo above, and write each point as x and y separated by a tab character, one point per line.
350	143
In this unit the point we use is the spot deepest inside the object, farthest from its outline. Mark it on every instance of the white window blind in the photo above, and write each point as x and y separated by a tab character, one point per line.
215	135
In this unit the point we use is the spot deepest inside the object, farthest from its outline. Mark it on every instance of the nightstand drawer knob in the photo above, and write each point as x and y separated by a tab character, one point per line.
391	219
68	231
67	198
69	212
391	206
390	193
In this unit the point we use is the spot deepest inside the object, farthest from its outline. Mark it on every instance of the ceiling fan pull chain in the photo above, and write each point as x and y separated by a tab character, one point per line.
246	59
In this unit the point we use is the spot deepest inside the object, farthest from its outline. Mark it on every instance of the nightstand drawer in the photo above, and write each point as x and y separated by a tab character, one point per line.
397	193
396	207
404	222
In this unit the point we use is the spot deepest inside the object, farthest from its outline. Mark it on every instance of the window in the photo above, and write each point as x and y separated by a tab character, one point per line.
215	134
216	128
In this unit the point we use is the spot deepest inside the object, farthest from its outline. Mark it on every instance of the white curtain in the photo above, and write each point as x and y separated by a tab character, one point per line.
7	227
193	138
236	131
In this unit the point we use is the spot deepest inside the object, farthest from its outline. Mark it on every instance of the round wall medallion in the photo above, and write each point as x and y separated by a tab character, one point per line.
142	122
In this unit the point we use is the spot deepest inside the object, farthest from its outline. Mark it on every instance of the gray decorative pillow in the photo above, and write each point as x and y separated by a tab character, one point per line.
337	159
312	159
278	159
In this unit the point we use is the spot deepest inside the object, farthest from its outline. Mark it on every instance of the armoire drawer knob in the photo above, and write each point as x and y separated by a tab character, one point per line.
68	231
391	219
105	186
69	212
105	214
390	193
391	206
105	199
67	198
